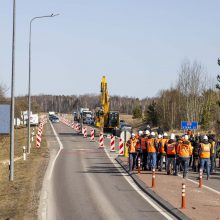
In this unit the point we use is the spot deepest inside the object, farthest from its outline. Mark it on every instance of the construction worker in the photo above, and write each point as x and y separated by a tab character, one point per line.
212	153
161	151
145	153
195	143
152	147
138	146
131	144
218	152
160	131
204	154
143	147
184	151
170	149
160	137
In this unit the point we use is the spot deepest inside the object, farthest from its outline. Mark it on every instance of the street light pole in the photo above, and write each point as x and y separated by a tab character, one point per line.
29	78
11	166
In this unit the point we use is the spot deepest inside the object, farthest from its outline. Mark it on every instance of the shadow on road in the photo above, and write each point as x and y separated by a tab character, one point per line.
100	169
68	134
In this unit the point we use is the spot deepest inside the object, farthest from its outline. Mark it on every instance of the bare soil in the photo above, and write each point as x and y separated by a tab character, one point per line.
19	199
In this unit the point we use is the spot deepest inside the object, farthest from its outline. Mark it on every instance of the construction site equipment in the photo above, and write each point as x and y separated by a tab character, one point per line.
104	118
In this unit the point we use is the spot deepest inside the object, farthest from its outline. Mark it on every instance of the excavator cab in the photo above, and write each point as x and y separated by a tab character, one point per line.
113	119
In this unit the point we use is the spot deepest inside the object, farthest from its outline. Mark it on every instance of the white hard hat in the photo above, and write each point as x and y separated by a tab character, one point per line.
186	137
133	134
205	138
153	133
147	132
172	136
165	134
140	132
160	136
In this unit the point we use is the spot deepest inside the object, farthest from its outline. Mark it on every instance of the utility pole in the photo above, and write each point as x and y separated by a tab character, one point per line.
11	166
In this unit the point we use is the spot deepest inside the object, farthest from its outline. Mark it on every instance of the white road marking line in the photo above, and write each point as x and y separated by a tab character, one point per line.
61	148
136	188
203	186
128	178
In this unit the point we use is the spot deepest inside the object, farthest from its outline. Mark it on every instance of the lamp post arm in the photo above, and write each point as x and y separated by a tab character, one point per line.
29	76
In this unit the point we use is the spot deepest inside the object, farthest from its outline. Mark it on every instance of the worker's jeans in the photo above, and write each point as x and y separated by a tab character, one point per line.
184	161
160	159
170	161
144	160
132	159
152	160
205	163
213	163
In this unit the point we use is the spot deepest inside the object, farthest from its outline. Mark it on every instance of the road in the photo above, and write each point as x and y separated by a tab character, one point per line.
86	184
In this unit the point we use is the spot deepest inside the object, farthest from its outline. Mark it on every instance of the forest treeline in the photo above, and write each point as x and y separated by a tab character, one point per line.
193	97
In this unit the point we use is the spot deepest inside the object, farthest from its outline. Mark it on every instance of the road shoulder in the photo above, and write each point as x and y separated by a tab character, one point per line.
53	147
163	203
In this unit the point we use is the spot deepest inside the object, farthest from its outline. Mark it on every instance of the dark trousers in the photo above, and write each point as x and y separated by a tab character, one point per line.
132	159
213	163
184	161
144	160
196	164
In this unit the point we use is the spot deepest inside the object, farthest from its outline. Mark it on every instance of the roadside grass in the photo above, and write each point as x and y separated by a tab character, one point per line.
19	199
130	120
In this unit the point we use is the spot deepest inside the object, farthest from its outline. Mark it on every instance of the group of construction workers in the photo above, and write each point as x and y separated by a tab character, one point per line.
173	153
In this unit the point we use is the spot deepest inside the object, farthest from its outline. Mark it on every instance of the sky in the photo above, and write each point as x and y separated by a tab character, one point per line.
138	45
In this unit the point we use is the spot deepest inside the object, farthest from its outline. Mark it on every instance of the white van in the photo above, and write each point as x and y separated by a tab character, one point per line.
34	119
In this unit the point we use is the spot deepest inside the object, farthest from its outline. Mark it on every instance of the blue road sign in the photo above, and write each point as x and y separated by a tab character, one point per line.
4	119
192	125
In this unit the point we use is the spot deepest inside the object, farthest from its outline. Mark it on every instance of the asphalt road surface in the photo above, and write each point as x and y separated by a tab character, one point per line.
85	184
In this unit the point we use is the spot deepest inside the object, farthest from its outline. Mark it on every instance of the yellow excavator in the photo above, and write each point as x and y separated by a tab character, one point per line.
104	118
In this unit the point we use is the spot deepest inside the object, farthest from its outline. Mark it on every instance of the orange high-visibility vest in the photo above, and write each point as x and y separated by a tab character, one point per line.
184	150
143	143
171	148
138	144
205	150
161	145
132	146
151	146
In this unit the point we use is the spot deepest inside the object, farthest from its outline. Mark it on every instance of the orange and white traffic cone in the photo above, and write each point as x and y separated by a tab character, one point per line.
153	178
200	178
139	165
183	205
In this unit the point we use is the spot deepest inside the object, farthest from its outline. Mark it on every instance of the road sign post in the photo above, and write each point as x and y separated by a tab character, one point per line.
125	136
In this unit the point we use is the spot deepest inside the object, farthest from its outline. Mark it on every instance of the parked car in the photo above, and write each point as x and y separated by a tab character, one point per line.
54	118
89	121
125	126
